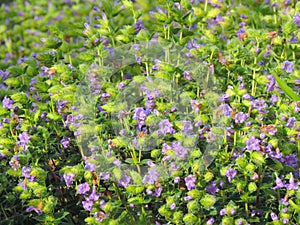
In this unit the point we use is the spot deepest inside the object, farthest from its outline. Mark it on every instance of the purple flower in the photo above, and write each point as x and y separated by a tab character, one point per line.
240	33
297	107
172	206
151	177
94	196
138	26
100	216
288	66
292	185
260	105
7	103
274	216
279	183
210	221
195	104
124	181
253	144
230	173
291	160
165	127
61	104
187	75
187	127
180	151
139	114
158	191
232	211
83	188
294	39
69	179
23	140
271	84
240	117
212	188
104	176
223	212
26	173
291	122
176	180
88	204
32	208
226	109
274	99
210	136
297	20
187	198
190	182
65	142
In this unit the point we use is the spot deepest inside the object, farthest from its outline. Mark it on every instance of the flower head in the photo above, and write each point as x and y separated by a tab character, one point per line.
230	173
190	182
288	66
253	144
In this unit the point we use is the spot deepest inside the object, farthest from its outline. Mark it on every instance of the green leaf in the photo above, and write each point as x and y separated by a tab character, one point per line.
286	88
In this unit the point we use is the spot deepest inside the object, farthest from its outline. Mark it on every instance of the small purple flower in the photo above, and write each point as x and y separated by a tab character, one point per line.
195	104
100	216
104	176
260	105
294	39
210	137
187	198
232	211
292	185
274	99
69	179
230	173
297	107
240	117
279	183
138	26
139	114
223	212
151	177
212	188
291	122
176	180
166	127
187	127
61	104
253	144
7	103
210	221
23	140
94	196
180	151
32	208
88	204
83	188
65	142
274	216
172	206
297	20
187	75
288	66
190	182
226	109
124	181
158	191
